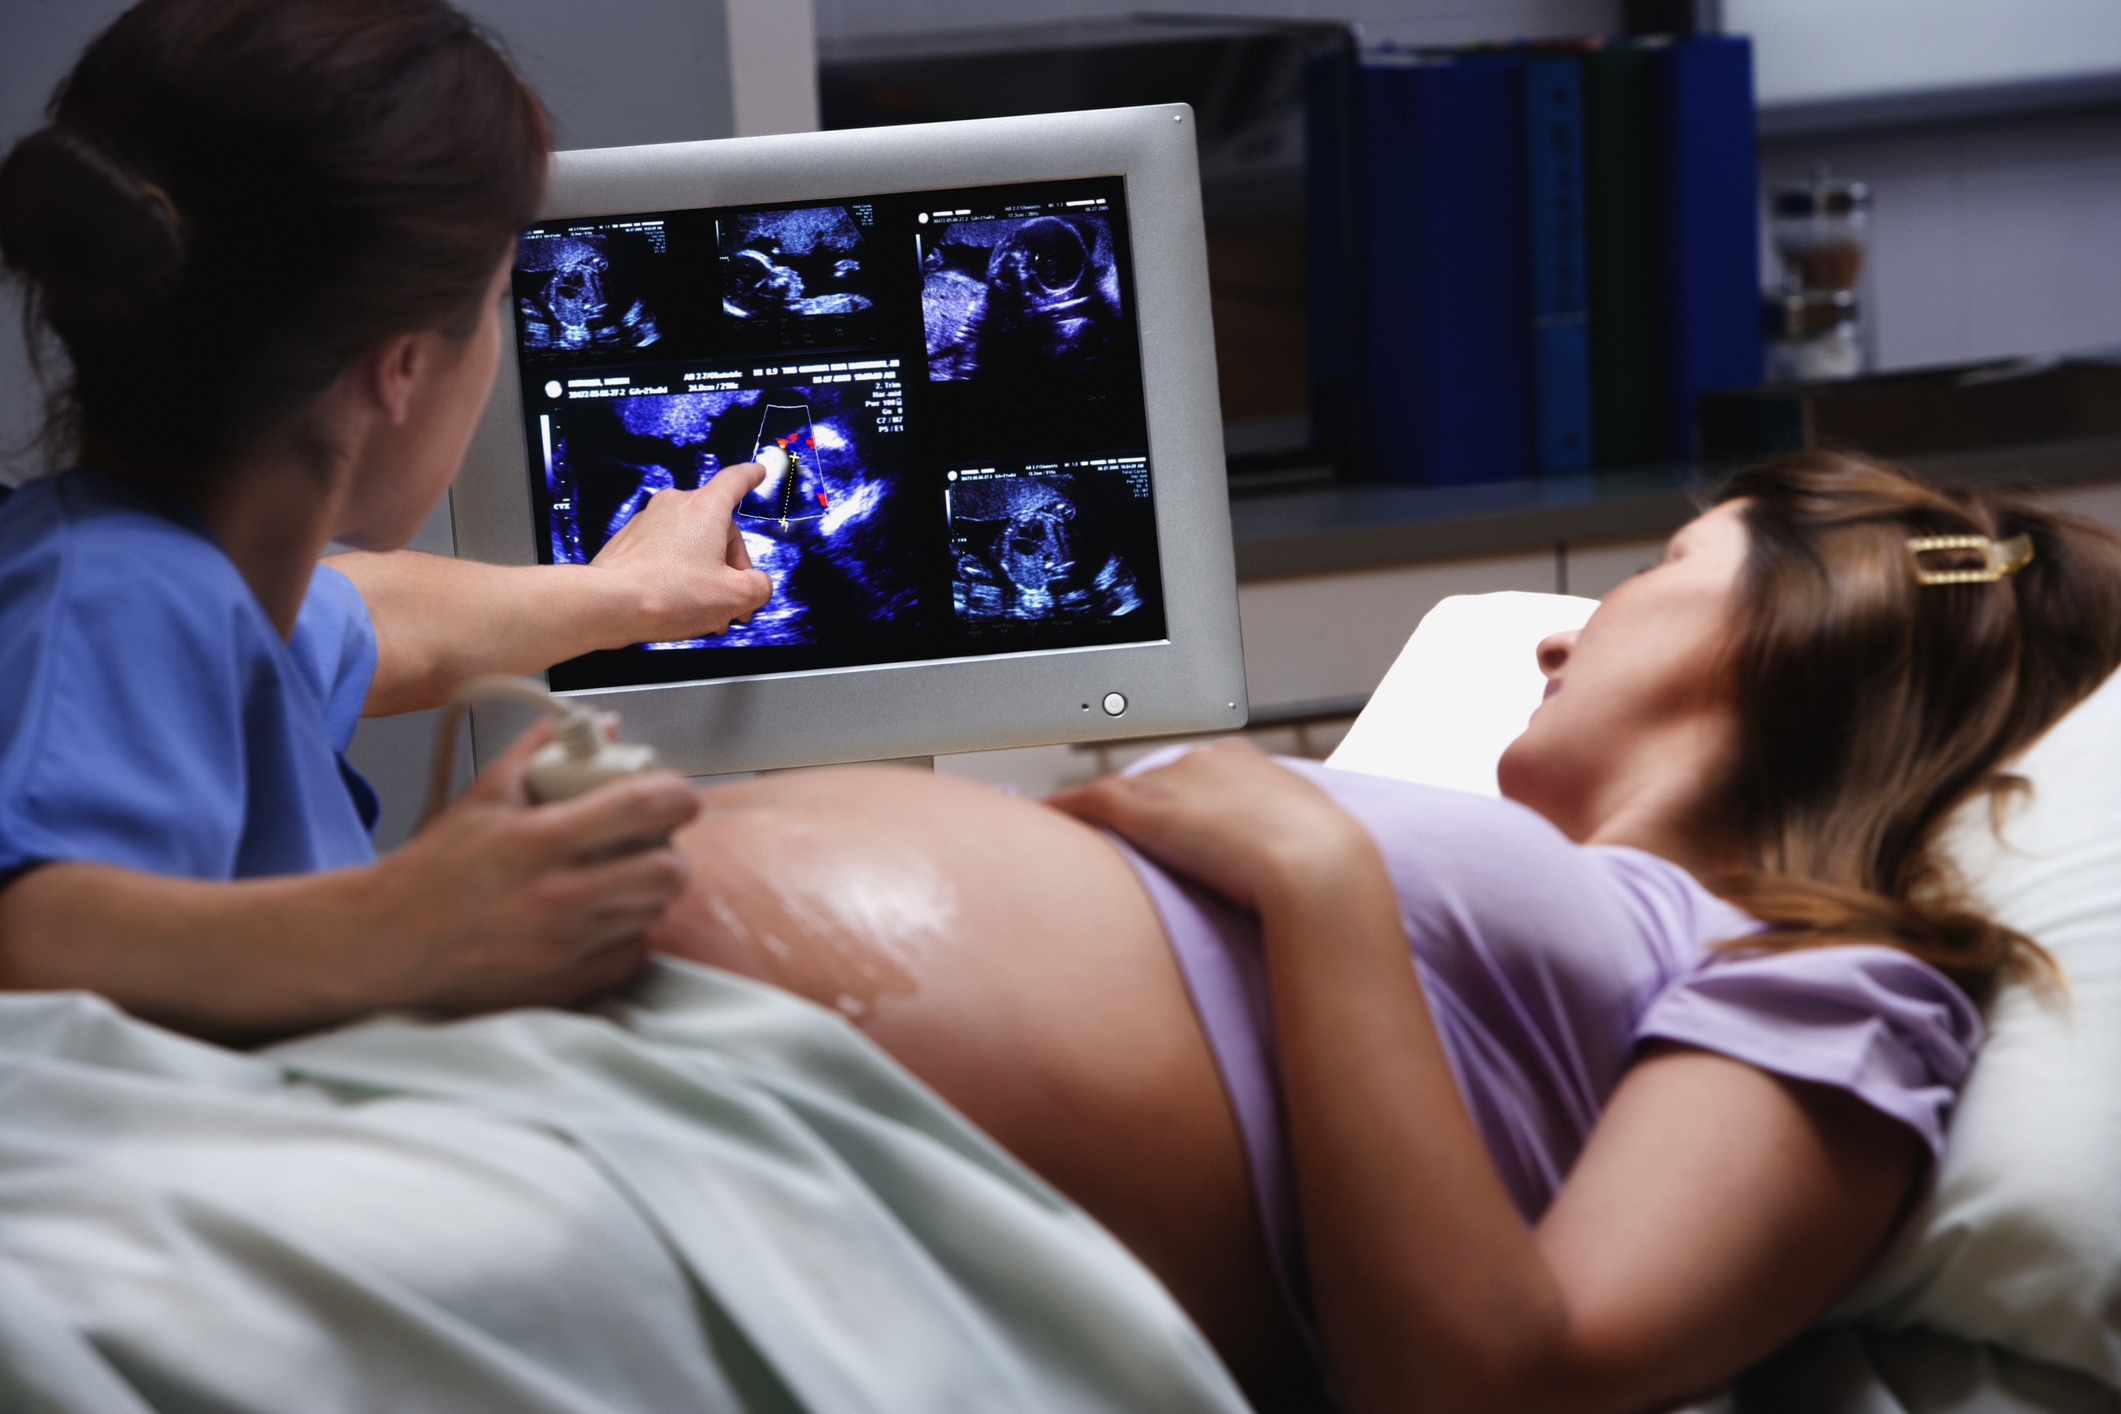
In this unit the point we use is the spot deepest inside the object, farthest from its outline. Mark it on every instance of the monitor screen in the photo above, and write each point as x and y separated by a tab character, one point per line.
978	361
951	381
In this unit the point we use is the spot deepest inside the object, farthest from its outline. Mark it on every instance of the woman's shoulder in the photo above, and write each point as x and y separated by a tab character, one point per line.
114	613
150	715
92	544
1872	1020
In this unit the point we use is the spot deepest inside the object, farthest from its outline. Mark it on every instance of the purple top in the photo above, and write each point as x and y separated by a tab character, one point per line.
1546	964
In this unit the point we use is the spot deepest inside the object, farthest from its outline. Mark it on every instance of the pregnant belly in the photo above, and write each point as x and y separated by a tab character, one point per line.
1008	956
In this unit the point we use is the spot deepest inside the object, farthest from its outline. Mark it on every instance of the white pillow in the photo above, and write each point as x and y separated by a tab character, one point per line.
1460	691
2019	1241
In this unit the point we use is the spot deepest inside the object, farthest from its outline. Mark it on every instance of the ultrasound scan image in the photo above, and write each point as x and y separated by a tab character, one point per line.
1024	552
586	293
777	264
1008	301
837	573
798	491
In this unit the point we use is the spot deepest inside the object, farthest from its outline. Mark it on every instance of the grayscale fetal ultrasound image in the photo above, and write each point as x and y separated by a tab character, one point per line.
587	292
1024	551
778	264
823	533
1006	301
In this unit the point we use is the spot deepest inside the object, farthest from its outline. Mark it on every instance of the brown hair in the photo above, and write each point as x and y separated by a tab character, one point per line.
232	198
1871	706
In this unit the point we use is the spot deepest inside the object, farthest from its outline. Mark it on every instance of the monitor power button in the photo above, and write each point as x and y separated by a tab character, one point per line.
1114	704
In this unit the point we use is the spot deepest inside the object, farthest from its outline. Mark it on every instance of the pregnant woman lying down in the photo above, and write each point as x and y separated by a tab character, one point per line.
1687	1014
1580	1154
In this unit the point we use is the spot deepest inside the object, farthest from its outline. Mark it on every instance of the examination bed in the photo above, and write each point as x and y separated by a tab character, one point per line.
408	1215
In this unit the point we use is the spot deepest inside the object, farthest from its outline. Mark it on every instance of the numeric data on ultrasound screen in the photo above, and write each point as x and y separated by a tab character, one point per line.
953	379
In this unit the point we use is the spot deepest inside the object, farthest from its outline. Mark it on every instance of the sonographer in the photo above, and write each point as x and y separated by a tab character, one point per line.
269	268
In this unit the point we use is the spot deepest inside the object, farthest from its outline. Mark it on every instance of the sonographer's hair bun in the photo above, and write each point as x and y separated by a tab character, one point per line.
102	246
234	199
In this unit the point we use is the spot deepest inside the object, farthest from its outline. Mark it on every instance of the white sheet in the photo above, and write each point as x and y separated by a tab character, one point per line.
709	1195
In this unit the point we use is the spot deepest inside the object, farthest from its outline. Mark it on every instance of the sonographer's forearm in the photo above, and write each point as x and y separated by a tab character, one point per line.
476	920
231	962
440	621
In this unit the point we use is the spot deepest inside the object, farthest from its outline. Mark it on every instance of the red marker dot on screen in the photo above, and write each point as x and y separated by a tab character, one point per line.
821	499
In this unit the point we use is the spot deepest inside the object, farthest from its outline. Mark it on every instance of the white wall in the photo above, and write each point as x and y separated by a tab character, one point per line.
772	67
1990	239
1811	51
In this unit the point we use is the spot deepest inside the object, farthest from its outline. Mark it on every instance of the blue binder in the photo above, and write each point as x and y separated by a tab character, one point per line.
1710	181
1441	250
1555	196
1335	302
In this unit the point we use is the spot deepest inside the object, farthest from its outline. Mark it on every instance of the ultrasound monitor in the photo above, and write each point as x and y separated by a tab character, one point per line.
976	358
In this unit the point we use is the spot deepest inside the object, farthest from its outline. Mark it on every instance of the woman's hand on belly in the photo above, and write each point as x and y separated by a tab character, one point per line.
1227	816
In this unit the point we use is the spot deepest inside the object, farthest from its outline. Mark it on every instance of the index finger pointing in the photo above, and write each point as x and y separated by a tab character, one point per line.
731	484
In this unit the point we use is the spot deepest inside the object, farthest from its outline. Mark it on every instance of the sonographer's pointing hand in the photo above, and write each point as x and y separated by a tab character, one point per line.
499	902
685	557
677	570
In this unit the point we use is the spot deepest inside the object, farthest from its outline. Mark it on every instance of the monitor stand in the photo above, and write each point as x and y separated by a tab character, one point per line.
916	763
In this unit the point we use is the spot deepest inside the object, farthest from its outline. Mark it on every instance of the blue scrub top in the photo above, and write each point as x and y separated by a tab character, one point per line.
150	716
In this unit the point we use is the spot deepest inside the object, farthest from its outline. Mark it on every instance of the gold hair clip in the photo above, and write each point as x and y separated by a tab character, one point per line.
1999	558
160	199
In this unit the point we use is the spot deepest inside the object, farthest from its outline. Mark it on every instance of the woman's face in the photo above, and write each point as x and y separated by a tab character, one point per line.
1637	715
410	463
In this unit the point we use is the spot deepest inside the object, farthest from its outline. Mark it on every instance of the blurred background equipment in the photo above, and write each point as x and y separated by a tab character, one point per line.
1813	318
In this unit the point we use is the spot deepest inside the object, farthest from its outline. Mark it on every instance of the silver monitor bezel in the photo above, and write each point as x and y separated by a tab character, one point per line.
1192	680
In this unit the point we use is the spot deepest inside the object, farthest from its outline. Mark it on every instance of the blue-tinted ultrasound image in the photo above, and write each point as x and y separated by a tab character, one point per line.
1024	550
782	264
1012	302
587	292
836	572
795	487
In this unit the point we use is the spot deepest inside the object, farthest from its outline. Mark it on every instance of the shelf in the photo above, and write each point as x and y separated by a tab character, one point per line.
1327	529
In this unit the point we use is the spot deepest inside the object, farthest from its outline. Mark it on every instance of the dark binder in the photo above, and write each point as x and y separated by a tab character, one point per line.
1555	237
1711	252
1336	304
1442	256
1626	335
